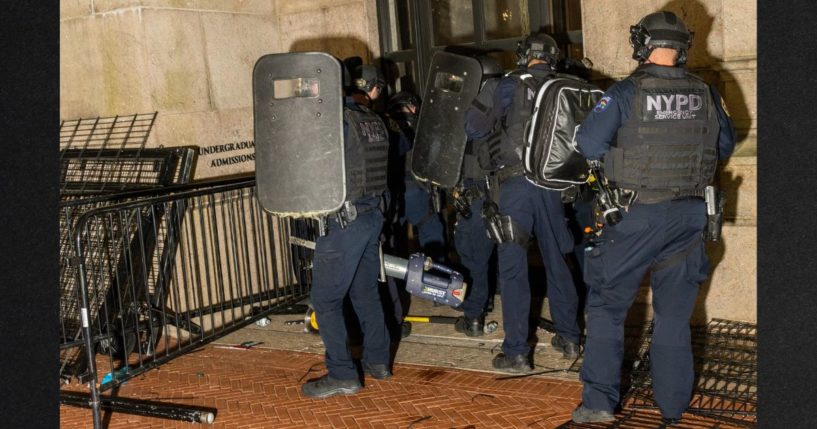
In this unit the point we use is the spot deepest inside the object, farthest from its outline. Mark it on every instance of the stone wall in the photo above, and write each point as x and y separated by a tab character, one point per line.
724	52
192	61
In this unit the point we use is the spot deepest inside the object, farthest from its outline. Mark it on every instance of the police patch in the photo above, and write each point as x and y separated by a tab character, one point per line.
725	110
602	104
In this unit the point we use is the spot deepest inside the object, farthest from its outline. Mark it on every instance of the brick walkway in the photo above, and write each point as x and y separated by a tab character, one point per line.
260	388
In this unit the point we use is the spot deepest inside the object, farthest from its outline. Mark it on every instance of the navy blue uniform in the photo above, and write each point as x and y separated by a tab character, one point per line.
347	262
474	249
664	235
471	240
411	200
539	211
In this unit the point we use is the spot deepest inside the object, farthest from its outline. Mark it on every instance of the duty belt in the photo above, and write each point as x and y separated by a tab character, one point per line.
651	196
506	173
349	212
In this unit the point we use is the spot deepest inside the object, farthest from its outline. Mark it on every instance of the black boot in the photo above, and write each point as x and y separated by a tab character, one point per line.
470	327
515	364
570	350
327	386
379	371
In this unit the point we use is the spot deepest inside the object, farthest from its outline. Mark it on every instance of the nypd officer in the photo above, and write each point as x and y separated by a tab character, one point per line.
663	114
401	118
473	245
525	209
346	258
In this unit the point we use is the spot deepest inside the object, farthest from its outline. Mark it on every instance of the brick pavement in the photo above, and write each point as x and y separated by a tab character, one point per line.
260	388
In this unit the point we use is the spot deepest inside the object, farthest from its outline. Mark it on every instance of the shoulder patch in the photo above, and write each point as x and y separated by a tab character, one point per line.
602	104
725	110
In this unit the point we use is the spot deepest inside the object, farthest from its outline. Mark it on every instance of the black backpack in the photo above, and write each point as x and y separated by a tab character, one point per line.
551	158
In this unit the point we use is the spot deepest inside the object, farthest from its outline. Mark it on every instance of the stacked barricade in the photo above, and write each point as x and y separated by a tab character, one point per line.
152	268
725	357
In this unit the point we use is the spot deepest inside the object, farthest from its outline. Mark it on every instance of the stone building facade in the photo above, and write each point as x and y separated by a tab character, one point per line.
192	61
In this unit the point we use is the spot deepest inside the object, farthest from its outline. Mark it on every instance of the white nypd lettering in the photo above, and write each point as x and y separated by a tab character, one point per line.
674	106
373	131
530	95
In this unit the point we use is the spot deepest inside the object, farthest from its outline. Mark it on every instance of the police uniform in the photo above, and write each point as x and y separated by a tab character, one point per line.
534	210
470	239
347	258
413	201
660	132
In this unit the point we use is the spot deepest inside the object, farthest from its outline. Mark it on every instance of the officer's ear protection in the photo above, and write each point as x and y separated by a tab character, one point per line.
642	48
521	54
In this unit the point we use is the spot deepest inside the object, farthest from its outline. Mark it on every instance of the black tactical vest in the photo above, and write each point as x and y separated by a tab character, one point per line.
404	123
508	150
366	151
668	147
476	161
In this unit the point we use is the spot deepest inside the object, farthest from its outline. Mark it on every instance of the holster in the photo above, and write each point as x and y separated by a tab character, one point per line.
502	229
346	214
715	201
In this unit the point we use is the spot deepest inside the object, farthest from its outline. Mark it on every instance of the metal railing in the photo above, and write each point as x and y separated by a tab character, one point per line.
725	356
160	276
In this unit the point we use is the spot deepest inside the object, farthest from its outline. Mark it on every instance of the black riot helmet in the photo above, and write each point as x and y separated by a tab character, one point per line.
366	76
660	30
539	46
490	66
402	98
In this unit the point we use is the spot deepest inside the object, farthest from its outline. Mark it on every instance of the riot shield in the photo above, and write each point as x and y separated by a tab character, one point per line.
298	127
439	143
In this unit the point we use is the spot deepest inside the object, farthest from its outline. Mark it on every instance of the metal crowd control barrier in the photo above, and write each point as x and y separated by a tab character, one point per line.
92	178
725	356
159	276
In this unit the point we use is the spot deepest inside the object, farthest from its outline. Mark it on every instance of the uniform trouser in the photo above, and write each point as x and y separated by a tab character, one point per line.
347	261
474	249
538	211
583	212
613	272
430	231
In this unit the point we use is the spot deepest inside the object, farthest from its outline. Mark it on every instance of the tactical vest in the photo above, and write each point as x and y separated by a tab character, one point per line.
508	149
476	161
366	152
668	147
404	123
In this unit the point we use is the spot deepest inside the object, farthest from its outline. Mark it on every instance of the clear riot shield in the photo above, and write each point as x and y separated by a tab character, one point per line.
298	127
439	143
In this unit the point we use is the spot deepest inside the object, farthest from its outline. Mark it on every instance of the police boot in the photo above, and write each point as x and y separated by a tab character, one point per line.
583	414
470	327
570	350
670	421
327	386
379	371
514	364
405	329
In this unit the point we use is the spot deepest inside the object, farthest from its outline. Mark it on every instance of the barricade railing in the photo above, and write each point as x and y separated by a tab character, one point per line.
92	178
725	357
159	276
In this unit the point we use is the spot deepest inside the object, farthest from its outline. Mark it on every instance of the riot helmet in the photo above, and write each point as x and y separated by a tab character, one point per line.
538	46
490	66
402	99
660	30
366	76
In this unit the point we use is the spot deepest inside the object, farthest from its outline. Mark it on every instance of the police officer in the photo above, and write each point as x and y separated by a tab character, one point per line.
470	239
664	114
347	258
524	209
401	119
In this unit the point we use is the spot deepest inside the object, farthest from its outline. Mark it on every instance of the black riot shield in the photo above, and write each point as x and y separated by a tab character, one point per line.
298	122
439	143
